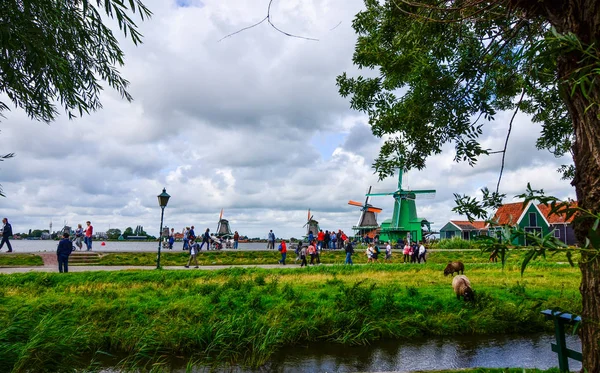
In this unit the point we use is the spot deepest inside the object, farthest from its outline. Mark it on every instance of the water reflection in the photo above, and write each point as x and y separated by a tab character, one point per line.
421	354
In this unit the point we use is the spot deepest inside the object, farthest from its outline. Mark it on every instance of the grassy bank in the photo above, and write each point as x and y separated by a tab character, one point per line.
20	260
176	258
244	315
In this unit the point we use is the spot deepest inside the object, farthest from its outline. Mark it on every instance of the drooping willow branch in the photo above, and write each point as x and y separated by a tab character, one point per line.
268	18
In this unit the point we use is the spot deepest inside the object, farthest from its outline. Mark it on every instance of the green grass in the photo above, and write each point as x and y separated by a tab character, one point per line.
243	315
20	260
327	257
454	243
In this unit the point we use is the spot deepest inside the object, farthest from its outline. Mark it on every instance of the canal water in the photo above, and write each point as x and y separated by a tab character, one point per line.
32	246
531	351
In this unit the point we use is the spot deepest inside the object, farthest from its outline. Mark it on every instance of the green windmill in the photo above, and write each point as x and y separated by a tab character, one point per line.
404	224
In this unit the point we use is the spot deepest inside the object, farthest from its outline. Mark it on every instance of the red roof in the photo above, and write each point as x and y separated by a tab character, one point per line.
556	218
509	213
467	225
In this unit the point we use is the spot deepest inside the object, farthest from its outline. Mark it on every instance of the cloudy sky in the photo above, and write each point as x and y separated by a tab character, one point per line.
252	124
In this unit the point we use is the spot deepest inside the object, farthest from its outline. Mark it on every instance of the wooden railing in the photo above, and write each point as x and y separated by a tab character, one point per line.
560	347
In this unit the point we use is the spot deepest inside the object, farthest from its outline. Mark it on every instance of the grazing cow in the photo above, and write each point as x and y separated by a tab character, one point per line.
462	288
452	267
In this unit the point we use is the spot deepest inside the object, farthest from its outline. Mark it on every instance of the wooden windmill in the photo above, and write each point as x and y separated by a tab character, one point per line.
367	223
404	224
311	225
223	229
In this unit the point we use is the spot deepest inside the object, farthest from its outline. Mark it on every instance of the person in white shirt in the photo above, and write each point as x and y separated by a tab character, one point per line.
194	248
422	252
388	252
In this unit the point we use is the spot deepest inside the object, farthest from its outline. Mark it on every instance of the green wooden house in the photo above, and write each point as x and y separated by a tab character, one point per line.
464	229
528	217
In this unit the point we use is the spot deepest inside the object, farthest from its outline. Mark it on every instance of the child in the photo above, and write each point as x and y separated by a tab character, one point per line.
194	248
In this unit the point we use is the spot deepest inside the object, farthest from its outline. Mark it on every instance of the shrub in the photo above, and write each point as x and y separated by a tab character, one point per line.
454	243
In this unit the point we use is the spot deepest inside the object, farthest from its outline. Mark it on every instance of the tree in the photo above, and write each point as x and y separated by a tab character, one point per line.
444	66
58	51
128	232
139	231
113	233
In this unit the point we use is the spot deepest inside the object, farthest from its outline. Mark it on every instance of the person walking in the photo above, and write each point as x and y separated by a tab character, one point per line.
186	238
171	238
388	252
320	239
236	240
312	251
89	231
283	251
422	252
79	237
414	252
192	234
406	252
64	249
369	253
333	240
6	234
303	251
194	248
271	240
349	251
205	239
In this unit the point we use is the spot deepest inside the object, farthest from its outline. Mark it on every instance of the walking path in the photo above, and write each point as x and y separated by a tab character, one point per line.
7	270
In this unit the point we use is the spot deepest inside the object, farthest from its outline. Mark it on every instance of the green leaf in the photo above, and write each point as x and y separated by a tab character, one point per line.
528	256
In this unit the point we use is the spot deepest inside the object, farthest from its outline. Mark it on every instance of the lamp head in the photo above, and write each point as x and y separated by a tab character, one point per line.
163	198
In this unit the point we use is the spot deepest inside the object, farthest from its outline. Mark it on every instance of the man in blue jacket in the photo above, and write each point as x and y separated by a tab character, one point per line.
206	239
65	247
6	233
271	240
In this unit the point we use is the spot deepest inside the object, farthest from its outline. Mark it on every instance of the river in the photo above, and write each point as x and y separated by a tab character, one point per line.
434	353
32	246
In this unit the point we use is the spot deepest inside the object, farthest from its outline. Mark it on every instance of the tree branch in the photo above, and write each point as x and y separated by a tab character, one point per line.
268	19
507	137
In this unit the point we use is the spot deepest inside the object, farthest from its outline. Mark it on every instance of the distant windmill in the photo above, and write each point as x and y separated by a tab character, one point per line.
405	224
367	223
311	225
223	229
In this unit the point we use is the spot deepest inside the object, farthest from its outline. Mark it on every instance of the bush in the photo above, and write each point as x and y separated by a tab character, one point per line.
454	243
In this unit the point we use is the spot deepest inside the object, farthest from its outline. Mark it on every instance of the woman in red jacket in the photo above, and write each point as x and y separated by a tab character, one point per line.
283	251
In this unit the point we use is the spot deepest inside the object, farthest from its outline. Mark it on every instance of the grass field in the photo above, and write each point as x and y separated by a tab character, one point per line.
20	260
54	322
271	257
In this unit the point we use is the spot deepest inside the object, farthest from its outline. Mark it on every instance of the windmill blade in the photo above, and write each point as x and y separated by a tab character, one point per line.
354	203
308	216
376	210
221	215
423	191
309	220
427	195
368	192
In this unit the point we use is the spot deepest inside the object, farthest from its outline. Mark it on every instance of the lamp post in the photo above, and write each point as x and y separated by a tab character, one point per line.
163	199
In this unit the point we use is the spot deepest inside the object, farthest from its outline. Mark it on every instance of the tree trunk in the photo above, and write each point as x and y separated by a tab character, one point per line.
586	155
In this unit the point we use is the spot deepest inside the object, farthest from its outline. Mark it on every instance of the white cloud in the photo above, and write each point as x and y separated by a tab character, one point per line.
252	124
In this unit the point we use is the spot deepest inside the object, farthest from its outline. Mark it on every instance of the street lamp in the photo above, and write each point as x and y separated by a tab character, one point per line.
163	199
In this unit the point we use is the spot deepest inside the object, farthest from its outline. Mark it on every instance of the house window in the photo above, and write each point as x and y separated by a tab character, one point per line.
450	234
533	219
557	233
536	231
465	235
